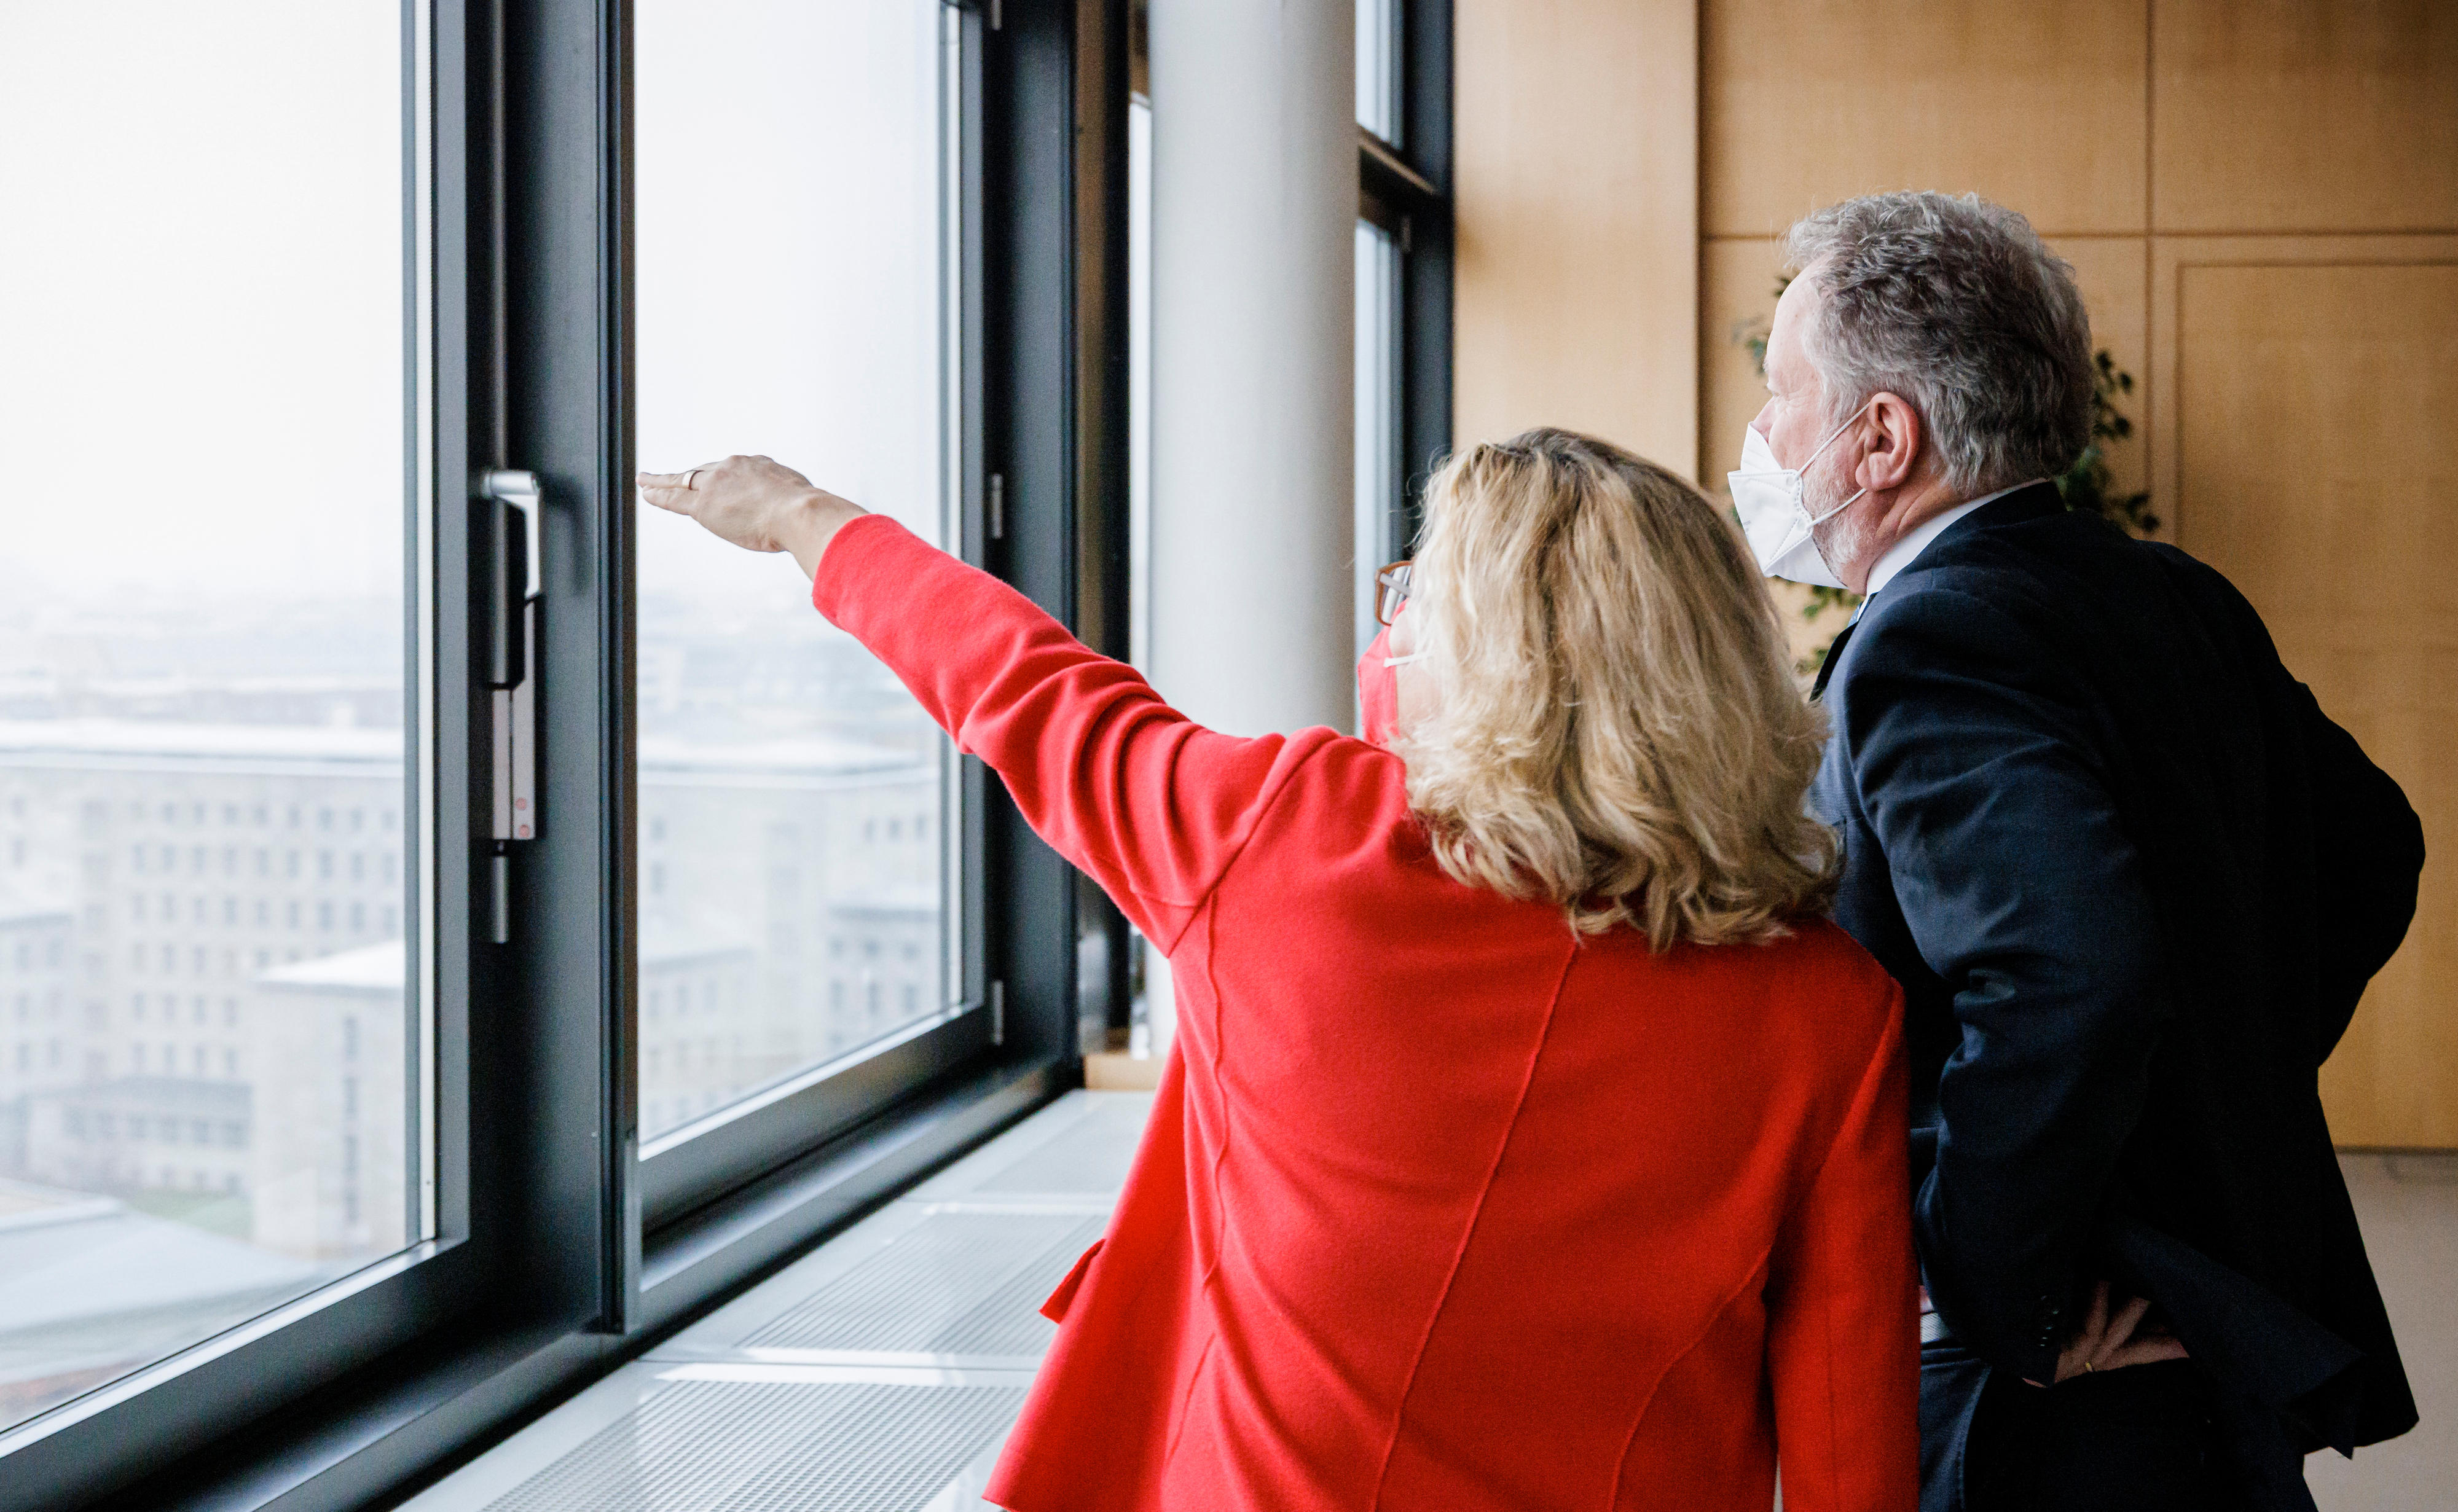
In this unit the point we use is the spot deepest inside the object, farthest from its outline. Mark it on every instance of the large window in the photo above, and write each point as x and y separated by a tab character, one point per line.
214	1040
1382	478
1403	275
455	922
1381	52
795	823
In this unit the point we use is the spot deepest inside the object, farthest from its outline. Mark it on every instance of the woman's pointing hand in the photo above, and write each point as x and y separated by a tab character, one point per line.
756	504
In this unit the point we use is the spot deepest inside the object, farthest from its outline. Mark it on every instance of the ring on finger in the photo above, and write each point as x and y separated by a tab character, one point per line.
691	479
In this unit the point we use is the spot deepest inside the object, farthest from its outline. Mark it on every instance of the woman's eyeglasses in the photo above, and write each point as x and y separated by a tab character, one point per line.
1390	591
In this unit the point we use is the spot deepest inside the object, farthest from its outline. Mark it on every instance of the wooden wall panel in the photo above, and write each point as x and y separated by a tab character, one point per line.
2304	116
2040	106
1735	295
2315	456
1577	186
2114	275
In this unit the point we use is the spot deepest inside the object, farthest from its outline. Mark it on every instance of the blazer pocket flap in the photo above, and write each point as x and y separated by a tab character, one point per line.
2239	1329
1064	1297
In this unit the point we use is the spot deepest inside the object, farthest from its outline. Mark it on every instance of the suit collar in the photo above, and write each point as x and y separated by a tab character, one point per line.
2033	500
1900	556
1908	546
1834	654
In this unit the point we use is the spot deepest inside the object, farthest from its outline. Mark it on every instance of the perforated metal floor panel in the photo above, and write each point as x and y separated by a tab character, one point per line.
1082	1151
878	1374
959	1285
1090	1158
767	1446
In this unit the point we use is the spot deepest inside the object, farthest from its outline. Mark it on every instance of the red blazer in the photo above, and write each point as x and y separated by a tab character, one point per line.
1440	1207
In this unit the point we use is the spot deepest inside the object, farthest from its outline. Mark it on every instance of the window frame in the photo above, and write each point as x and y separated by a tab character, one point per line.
560	1252
707	1157
129	1425
1406	190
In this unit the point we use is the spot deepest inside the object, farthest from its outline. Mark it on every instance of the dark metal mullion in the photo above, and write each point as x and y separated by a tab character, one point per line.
1427	260
1407	194
1425	89
1098	316
621	1006
972	481
1103	567
491	1196
561	1022
1028	411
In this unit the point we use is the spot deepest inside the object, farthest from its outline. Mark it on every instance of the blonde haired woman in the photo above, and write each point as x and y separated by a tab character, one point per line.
1529	1142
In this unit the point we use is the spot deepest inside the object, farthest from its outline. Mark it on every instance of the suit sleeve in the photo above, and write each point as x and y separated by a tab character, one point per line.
2368	856
1151	805
1844	1313
2368	844
2025	894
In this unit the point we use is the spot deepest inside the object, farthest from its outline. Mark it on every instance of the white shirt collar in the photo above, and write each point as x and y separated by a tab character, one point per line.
1915	541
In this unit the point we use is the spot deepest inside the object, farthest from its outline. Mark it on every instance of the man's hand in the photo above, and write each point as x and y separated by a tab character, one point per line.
2105	1342
756	504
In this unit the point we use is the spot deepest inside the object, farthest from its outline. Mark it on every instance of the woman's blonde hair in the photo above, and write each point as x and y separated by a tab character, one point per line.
1619	731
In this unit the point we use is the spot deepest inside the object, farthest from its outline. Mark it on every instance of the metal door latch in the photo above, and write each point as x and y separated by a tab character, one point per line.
512	672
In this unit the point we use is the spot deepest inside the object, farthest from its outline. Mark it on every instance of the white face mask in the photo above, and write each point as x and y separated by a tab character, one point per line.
1775	519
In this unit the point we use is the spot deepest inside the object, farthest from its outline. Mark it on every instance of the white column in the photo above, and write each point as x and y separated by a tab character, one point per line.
1254	221
1254	215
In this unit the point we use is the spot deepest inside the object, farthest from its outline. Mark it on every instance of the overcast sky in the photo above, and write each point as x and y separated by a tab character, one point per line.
787	154
200	295
200	286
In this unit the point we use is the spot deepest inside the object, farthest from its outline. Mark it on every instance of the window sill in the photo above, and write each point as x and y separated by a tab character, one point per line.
413	1417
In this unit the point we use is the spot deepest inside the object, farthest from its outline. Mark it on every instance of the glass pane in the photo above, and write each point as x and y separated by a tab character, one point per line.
1378	67
1139	353
204	818
793	817
1379	484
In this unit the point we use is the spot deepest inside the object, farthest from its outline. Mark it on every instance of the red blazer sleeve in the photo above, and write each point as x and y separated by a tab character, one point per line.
1149	804
1844	1311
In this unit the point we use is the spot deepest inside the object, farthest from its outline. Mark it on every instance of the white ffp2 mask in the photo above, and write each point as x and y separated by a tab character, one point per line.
1774	518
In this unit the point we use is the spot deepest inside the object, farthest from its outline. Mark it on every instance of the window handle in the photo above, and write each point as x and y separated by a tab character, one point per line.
512	675
515	572
521	491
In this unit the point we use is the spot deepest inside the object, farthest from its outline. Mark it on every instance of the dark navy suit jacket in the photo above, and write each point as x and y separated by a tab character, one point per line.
2133	881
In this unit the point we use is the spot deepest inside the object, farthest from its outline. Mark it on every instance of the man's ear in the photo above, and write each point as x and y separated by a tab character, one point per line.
1895	444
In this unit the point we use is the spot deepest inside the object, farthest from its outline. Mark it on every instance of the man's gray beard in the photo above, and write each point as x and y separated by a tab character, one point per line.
1841	538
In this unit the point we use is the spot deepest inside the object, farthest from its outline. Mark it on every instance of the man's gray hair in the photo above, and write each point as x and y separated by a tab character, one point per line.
1956	305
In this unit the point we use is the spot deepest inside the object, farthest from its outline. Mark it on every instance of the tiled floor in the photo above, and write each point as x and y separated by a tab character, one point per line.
2409	1204
879	1373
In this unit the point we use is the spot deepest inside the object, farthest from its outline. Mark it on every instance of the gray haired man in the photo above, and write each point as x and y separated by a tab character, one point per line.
2132	879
